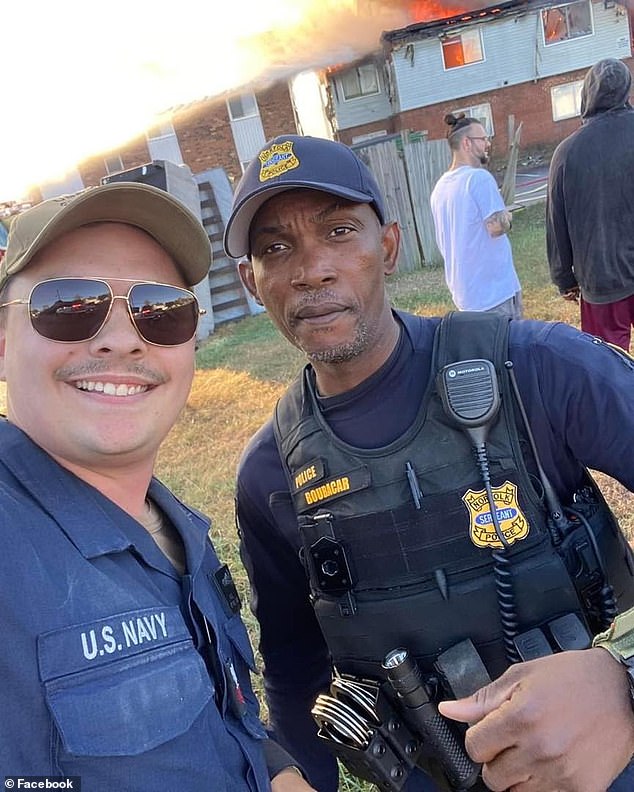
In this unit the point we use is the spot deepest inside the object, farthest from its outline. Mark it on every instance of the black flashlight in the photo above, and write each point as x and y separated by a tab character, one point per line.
436	733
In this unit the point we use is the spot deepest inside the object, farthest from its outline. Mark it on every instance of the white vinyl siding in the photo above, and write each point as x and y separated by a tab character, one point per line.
515	53
246	127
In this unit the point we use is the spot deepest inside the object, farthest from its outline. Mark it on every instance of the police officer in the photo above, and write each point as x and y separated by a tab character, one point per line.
124	659
368	523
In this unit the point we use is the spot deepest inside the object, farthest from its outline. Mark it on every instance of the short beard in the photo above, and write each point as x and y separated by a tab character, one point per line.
344	352
484	159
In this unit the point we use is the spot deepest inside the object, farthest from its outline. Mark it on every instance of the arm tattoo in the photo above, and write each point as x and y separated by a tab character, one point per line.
498	223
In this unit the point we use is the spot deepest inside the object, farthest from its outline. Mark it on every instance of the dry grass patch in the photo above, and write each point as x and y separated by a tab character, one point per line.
199	457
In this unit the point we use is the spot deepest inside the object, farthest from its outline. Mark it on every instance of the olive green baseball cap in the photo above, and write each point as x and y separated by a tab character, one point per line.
177	230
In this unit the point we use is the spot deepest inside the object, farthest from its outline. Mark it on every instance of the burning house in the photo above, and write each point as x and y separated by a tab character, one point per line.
521	59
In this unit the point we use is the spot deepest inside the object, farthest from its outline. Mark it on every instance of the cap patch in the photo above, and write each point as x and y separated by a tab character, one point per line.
277	160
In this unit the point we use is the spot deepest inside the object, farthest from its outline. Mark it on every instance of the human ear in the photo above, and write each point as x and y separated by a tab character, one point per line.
391	241
245	269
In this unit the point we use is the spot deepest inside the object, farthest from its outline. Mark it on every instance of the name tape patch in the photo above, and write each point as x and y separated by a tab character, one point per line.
91	644
335	487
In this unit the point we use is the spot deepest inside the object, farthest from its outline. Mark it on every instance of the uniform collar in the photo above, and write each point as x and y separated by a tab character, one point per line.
92	522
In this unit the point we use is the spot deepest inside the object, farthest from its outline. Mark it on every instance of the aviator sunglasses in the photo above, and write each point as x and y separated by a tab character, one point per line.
75	309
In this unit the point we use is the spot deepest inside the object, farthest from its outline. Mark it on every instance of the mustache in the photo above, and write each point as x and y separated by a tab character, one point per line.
315	298
92	367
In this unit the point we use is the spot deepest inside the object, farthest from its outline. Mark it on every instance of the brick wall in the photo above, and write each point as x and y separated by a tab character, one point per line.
388	124
276	110
133	154
204	135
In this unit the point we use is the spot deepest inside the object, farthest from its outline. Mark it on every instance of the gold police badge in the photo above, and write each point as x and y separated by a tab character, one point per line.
511	518
277	160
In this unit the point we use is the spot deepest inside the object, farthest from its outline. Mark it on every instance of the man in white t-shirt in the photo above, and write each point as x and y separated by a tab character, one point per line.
471	225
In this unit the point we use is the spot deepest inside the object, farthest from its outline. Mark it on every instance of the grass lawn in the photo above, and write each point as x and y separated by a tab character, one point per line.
244	367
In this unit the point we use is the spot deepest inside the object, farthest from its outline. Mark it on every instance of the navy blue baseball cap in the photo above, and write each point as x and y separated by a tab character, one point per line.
289	162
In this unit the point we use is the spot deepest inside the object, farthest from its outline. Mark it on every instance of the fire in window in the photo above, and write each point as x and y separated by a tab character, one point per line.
462	49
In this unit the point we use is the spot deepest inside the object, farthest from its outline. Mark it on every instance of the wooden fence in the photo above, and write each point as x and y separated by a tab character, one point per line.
407	167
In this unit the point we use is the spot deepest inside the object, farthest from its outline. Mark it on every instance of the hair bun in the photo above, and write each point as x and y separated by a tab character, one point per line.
452	120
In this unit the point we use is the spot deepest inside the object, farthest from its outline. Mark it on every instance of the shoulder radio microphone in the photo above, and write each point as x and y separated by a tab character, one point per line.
471	399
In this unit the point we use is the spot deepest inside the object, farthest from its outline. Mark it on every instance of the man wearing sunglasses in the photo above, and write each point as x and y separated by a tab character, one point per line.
472	225
124	662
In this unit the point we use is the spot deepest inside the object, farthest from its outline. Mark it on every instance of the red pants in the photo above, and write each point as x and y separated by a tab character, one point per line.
610	321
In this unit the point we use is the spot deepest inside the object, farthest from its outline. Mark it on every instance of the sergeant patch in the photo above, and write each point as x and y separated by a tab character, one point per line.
277	160
512	520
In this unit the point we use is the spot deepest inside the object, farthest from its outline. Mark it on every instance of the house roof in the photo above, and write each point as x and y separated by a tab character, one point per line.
488	13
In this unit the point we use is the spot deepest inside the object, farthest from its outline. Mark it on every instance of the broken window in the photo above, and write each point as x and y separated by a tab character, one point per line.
566	22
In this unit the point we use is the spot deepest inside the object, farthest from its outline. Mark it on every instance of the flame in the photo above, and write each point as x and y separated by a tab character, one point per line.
80	79
429	10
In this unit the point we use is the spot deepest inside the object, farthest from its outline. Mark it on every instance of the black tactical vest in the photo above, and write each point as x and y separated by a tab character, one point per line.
399	544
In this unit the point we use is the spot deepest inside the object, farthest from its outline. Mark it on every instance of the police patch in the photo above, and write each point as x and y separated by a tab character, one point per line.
309	474
277	160
512	521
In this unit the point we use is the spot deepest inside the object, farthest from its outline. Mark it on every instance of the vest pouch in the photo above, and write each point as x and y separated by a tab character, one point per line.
599	559
110	696
439	612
